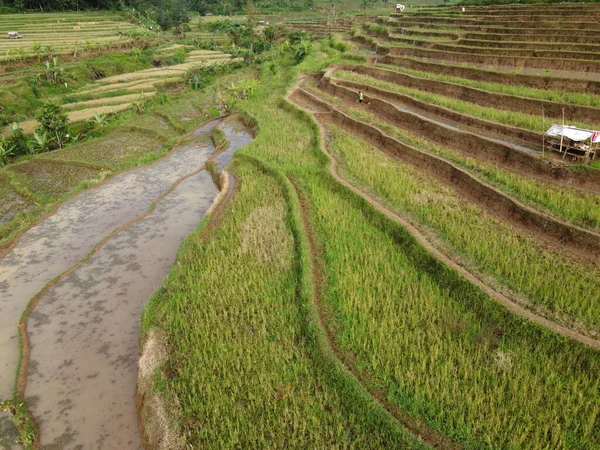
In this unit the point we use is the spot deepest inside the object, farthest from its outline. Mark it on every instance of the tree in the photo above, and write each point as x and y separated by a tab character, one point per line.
251	12
53	121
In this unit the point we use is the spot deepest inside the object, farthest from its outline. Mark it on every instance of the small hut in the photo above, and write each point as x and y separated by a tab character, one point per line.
578	144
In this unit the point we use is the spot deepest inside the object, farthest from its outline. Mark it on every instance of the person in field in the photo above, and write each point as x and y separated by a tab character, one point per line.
360	97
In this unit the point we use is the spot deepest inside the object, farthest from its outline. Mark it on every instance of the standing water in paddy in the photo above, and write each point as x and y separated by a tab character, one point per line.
84	330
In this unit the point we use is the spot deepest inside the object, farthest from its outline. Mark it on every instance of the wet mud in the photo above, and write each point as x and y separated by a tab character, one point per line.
60	241
84	330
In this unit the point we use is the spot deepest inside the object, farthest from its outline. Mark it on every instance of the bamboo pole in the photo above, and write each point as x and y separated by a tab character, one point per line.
543	131
562	135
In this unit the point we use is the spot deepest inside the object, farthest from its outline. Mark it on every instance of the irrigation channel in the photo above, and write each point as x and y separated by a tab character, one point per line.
90	268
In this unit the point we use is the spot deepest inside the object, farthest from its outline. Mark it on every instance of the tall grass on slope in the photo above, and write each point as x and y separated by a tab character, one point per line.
574	206
240	365
552	283
516	119
433	342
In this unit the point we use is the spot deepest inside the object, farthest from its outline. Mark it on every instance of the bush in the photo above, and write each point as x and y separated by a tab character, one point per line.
301	51
53	121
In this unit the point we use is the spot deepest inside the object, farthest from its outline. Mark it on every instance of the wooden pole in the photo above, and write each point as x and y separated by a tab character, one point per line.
562	135
543	131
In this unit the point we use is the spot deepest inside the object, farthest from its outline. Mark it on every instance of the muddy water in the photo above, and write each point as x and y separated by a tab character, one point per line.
84	331
60	241
238	136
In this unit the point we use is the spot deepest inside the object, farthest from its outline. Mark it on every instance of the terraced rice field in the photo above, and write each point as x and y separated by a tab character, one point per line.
60	33
417	270
115	94
447	258
447	280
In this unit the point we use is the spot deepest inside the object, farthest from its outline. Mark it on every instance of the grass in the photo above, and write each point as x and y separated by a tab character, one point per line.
576	98
433	344
513	118
550	282
248	329
218	138
579	208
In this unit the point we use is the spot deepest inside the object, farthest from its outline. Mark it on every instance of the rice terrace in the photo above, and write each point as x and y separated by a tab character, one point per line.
299	224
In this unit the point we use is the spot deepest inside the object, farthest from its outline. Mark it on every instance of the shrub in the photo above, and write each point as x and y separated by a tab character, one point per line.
53	121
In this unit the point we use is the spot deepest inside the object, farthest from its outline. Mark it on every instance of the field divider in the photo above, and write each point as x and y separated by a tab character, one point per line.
533	81
432	249
576	241
491	150
481	97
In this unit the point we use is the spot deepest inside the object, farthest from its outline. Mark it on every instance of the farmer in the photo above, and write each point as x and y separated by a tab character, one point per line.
360	97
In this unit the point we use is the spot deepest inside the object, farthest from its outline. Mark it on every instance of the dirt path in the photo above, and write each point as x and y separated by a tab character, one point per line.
449	261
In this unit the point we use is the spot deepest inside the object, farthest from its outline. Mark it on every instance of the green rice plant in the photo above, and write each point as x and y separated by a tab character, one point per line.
517	119
436	347
232	308
574	206
576	98
550	282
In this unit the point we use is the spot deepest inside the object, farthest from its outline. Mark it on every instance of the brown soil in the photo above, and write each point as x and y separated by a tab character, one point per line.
533	38
484	98
579	243
519	52
537	82
415	426
574	65
451	260
590	48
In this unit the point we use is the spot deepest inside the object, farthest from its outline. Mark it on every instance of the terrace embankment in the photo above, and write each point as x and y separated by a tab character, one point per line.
480	97
314	106
526	52
457	135
537	82
574	65
578	242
